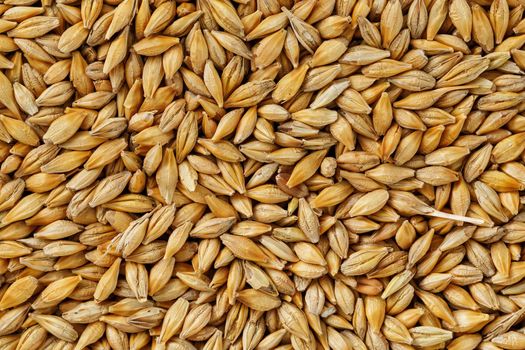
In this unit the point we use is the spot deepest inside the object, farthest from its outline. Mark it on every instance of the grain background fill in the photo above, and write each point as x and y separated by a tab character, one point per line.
262	174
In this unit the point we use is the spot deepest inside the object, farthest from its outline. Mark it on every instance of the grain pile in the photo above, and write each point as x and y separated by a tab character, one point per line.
262	174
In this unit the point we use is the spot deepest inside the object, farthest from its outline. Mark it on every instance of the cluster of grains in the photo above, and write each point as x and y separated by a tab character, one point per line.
262	174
